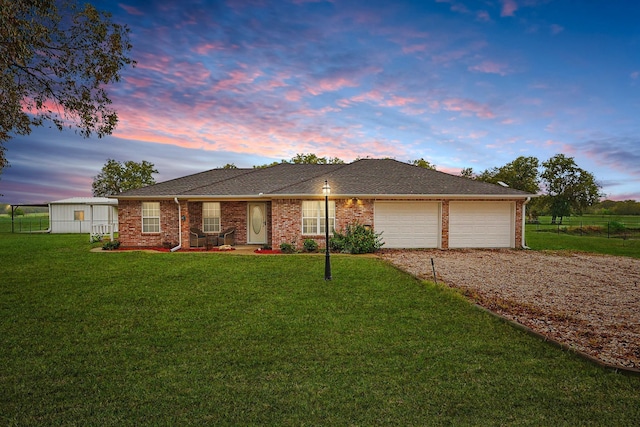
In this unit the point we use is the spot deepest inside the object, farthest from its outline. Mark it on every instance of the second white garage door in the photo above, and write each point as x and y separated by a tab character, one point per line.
481	225
408	224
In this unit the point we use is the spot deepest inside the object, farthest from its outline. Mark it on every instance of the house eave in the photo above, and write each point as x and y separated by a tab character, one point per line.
261	196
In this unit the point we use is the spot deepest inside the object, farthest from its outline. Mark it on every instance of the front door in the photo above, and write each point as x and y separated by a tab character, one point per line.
257	224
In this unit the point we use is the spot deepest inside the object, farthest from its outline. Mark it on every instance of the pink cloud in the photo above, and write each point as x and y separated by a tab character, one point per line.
509	8
293	95
204	49
478	134
237	78
130	9
466	107
332	84
490	67
635	75
414	48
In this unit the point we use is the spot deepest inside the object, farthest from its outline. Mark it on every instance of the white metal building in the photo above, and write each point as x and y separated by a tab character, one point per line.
91	215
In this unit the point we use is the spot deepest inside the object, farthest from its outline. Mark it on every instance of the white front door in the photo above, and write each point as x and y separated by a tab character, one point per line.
257	226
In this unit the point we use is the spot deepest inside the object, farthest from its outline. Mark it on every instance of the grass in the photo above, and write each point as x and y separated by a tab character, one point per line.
133	338
31	222
539	239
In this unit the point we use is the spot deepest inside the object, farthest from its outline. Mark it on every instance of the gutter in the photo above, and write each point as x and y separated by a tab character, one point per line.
175	199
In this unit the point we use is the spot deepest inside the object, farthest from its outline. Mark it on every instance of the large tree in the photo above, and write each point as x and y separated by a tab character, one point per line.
117	177
56	59
521	174
569	188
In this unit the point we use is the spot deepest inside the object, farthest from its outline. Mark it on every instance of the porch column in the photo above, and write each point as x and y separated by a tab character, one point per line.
445	225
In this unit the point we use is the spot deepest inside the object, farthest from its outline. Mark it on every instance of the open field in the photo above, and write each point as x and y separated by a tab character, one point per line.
24	223
134	338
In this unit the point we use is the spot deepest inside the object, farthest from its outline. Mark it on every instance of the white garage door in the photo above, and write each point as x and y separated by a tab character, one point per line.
408	224
481	225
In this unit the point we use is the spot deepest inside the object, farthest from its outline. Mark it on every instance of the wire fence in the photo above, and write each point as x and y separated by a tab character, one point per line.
24	224
41	223
596	227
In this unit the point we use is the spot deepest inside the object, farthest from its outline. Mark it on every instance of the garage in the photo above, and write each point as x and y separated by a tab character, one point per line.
408	224
481	225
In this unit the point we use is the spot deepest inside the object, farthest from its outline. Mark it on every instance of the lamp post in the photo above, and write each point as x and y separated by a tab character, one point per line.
327	261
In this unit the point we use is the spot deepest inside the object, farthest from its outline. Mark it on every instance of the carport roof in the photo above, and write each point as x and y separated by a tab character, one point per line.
362	178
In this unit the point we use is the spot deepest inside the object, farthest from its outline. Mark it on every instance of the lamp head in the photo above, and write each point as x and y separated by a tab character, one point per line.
326	189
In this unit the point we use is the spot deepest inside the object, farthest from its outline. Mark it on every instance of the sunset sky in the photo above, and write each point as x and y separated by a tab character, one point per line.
459	83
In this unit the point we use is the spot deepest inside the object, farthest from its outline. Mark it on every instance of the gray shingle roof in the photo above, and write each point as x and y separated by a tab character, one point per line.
366	177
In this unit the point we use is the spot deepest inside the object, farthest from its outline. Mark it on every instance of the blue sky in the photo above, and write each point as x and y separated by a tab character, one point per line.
458	83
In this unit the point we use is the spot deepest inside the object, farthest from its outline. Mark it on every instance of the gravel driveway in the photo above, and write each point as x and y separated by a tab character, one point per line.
589	302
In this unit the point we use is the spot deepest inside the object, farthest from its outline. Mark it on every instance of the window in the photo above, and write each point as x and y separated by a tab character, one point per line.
211	217
151	217
313	217
78	215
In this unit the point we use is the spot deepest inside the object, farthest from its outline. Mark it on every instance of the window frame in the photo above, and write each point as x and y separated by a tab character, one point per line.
215	208
146	216
317	219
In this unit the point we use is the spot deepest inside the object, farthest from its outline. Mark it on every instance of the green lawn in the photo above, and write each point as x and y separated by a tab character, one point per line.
132	338
540	240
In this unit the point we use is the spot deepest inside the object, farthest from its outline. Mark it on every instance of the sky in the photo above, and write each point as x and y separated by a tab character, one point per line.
459	83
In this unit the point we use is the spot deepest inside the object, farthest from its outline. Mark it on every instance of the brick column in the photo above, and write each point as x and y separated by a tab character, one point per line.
445	225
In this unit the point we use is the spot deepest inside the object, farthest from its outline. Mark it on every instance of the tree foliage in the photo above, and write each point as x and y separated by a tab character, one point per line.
467	173
613	207
521	174
117	177
57	58
312	159
308	159
422	163
568	187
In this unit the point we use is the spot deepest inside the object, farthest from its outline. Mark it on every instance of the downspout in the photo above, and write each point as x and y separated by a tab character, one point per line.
524	222
175	199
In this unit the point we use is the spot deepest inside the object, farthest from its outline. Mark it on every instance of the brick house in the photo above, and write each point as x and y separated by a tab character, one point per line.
411	206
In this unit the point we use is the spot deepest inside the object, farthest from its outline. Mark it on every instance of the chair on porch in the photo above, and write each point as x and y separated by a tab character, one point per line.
227	236
197	238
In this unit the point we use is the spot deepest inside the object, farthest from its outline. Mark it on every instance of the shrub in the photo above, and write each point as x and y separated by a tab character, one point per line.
616	227
95	238
287	248
111	245
355	239
310	245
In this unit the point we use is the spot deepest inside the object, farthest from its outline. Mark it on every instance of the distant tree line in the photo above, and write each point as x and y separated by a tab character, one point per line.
612	207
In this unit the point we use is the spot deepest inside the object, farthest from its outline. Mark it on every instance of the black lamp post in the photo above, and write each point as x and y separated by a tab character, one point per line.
327	260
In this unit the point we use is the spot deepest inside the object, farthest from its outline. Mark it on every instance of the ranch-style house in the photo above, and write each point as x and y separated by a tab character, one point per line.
412	207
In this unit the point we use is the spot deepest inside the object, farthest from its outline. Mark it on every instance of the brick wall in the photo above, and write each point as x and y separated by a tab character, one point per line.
130	224
287	228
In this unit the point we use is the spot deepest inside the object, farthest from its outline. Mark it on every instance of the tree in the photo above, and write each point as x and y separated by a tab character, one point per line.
307	159
422	163
569	188
117	177
230	166
56	59
314	160
521	174
467	173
